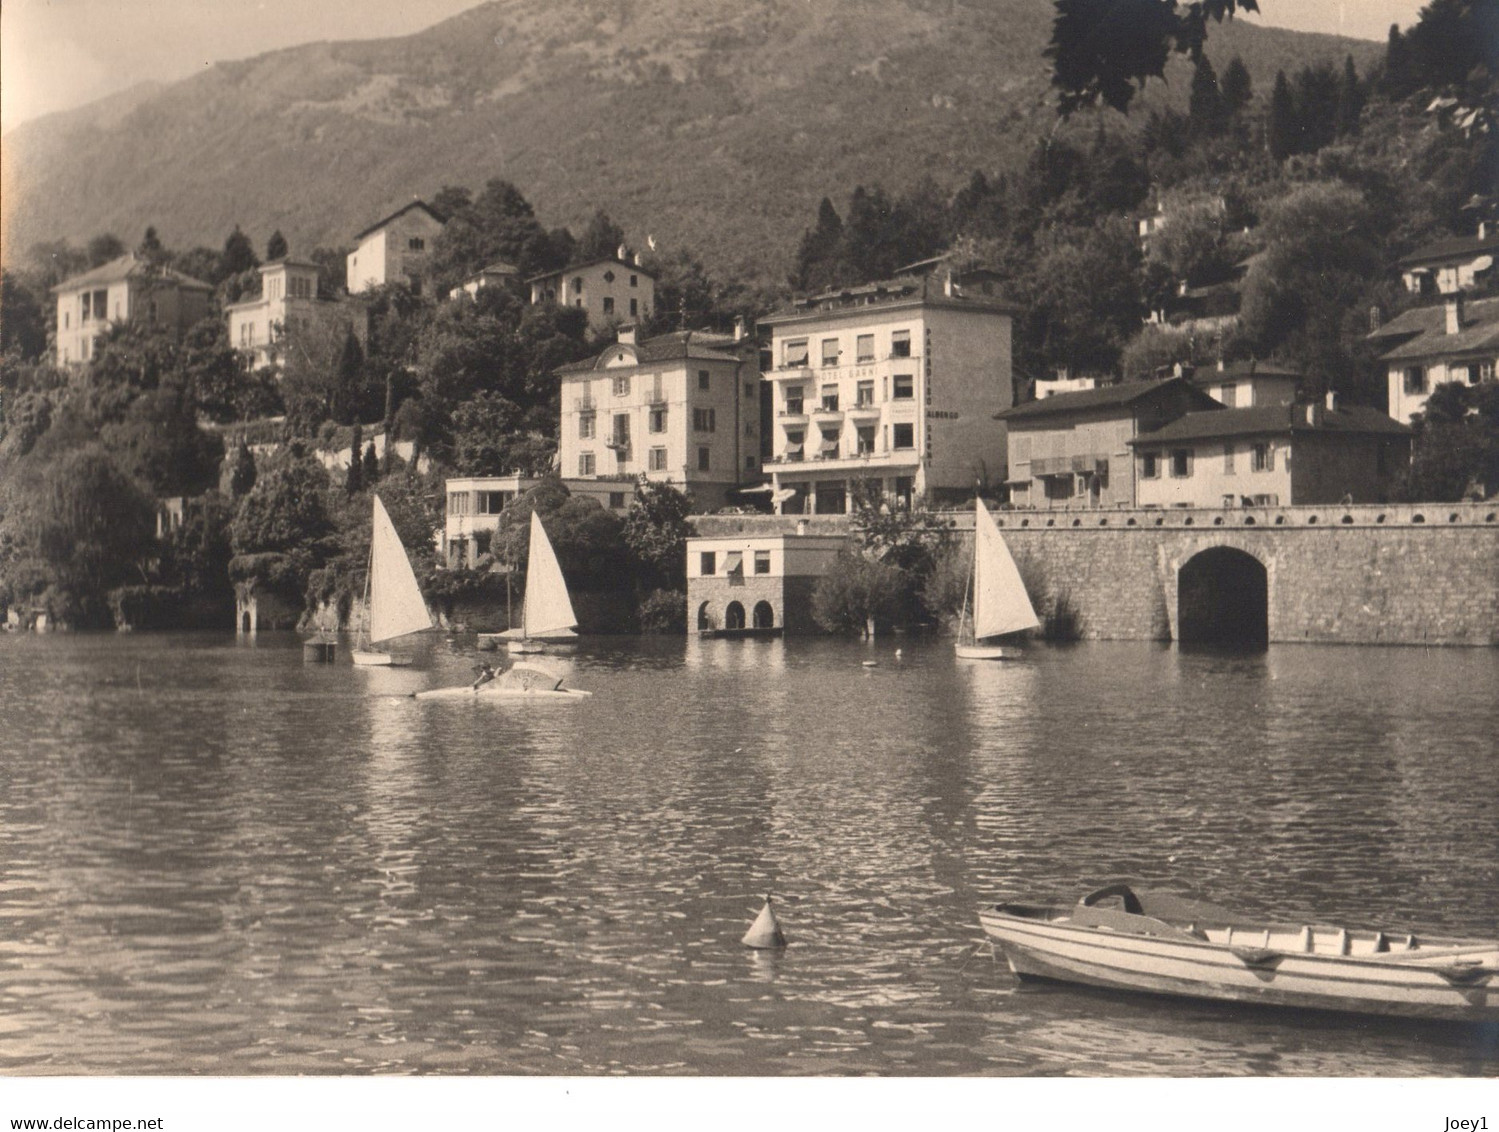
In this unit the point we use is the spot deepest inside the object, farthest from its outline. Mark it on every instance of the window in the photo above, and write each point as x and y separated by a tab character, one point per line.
616	500
577	284
634	282
704	459
900	344
87	307
634	307
1228	458
794	354
586	426
65	317
1181	463
608	277
622	385
1415	379
794	403
904	436
795	443
1228	394
608	304
416	244
866	440
829	447
749	463
1263	458
702	420
491	502
762	562
621	431
585	464
301	288
749	390
657	422
708	564
458	503
864	396
905	387
864	351
656	461
830	398
703	379
1150	466
1485	371
830	351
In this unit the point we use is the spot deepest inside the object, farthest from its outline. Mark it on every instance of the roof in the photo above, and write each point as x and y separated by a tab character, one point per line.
909	290
1426	328
1355	420
289	261
498	267
1454	247
1104	397
128	266
635	267
696	345
1232	371
421	204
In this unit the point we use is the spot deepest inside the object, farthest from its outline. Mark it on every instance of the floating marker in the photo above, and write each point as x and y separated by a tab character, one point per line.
897	654
871	664
765	932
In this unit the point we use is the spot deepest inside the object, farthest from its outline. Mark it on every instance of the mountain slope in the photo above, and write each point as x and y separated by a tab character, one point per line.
712	124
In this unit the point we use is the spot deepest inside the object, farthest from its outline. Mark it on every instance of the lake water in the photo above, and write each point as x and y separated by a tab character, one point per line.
215	859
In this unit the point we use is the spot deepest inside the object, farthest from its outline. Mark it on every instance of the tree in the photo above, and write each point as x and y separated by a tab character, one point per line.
332	271
482	433
1281	129
856	593
238	255
1101	50
371	470
601	239
242	472
817	255
159	442
656	531
1206	107
282	530
500	224
1086	300
1456	448
1350	100
1236	86
354	481
150	248
103	248
275	247
23	323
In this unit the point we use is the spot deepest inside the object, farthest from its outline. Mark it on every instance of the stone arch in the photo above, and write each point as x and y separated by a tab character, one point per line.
764	615
704	617
1223	598
733	616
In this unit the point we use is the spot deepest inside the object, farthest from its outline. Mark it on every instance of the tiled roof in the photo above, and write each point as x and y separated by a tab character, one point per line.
1212	375
635	267
1427	329
1105	397
695	345
127	266
1273	420
423	205
1454	247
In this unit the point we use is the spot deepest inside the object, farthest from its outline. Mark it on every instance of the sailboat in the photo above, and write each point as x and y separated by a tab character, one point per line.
393	602
547	615
1000	603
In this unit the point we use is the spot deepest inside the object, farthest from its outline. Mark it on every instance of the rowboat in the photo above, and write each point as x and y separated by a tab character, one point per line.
519	682
1136	940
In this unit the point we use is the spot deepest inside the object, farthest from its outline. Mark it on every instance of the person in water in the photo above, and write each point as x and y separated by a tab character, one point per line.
486	674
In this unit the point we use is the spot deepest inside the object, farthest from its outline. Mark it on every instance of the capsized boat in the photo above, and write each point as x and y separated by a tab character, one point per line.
1000	603
519	681
1163	944
393	602
547	615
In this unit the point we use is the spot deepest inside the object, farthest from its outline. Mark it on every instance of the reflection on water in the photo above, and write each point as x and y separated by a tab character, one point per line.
214	859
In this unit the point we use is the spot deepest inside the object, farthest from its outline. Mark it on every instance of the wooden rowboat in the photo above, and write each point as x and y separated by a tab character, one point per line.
1162	944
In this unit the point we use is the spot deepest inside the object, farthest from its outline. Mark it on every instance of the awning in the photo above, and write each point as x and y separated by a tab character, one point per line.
794	451
760	489
829	443
733	562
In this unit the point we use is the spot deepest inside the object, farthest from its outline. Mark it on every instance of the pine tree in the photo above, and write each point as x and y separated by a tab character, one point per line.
1236	86
371	465
817	255
1281	130
275	247
1205	106
238	254
355	481
1350	100
242	474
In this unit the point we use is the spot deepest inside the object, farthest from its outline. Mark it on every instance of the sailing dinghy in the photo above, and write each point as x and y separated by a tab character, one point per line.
393	602
1000	603
547	615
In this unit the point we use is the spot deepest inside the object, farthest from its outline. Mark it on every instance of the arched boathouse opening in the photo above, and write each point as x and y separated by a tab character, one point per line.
1223	599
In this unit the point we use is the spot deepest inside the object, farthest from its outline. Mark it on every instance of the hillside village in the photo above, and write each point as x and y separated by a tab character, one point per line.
1276	299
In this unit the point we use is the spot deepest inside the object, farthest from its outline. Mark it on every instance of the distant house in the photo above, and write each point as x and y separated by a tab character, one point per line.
1453	264
1277	455
497	274
1073	449
474	504
681	408
756	583
1248	384
288	303
611	290
395	249
1457	341
125	290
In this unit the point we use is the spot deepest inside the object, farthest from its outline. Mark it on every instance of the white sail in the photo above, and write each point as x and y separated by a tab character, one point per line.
1000	604
548	608
396	605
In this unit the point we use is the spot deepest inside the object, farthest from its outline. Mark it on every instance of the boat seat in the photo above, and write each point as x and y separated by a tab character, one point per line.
1115	920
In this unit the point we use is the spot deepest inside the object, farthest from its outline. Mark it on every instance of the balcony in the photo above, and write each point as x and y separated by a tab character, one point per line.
584	404
847	461
792	413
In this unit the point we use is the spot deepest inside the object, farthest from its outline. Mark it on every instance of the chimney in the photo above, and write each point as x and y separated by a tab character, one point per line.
1311	413
1220	363
1483	230
637	259
626	335
1332	401
1454	312
739	328
801	526
947	285
622	254
1376	318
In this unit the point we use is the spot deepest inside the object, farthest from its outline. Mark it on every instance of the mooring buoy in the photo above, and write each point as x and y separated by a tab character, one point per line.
765	932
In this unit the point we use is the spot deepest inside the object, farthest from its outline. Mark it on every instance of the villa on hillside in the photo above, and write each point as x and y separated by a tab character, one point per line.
681	408
1248	384
124	290
611	290
395	249
1457	341
1454	264
1281	455
893	383
497	274
474	503
1073	449
288	304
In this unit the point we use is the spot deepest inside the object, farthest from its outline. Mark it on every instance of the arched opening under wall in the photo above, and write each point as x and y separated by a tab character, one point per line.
1223	599
244	621
733	617
764	615
704	618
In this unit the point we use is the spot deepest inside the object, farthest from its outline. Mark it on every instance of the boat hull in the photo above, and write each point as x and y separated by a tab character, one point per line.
1200	969
486	694
985	652
366	658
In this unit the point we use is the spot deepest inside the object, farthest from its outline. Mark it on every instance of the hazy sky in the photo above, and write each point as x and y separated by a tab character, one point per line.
56	54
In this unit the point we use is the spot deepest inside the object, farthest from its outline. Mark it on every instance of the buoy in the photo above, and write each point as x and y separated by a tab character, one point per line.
897	654
765	932
871	664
